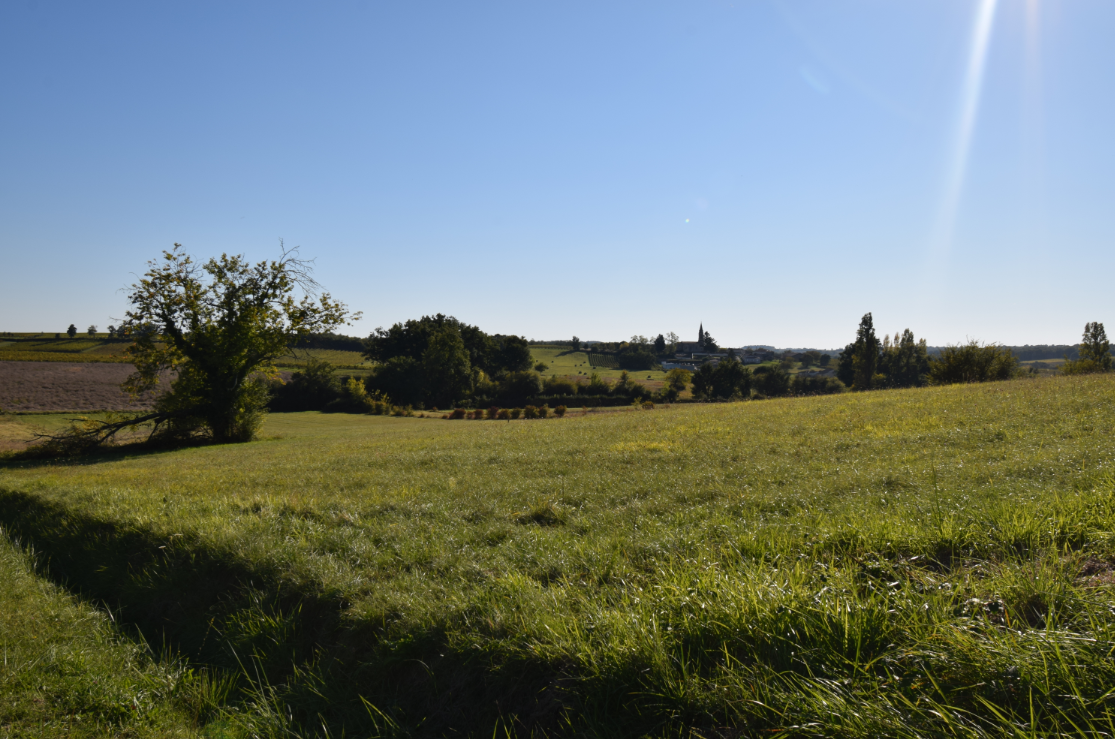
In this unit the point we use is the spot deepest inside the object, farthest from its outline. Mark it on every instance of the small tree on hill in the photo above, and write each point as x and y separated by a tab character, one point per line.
1095	346
71	331
660	344
92	331
677	380
576	344
1095	352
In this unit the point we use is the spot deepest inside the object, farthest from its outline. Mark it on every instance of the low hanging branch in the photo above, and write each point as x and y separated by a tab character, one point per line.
87	433
216	329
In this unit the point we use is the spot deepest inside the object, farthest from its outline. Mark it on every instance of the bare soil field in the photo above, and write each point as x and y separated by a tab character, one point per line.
65	386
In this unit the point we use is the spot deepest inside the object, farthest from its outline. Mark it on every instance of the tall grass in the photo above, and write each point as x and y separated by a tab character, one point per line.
931	562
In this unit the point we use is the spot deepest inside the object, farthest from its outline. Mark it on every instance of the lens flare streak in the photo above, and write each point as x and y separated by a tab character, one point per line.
965	126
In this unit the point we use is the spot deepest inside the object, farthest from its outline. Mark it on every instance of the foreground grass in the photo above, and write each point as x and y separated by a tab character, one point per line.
67	672
910	563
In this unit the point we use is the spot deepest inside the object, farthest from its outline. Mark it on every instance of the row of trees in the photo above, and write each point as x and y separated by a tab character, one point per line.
317	386
72	331
122	332
868	363
731	380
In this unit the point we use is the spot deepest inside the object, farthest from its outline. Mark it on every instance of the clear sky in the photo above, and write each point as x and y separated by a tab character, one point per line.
774	169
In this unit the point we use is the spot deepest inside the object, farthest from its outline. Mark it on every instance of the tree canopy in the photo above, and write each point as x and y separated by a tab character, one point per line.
216	328
437	359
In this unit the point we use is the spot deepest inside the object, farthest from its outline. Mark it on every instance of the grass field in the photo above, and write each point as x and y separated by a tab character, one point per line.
564	362
934	562
336	357
84	349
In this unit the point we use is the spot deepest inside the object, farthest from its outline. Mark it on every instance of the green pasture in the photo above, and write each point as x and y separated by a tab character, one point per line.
45	348
338	358
562	361
83	348
931	562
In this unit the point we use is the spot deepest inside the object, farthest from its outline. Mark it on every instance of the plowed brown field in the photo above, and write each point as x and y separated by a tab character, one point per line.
65	386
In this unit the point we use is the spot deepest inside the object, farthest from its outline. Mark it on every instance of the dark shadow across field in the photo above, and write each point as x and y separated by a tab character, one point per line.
267	632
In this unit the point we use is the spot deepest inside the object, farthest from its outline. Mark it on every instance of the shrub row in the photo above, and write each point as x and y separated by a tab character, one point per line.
504	414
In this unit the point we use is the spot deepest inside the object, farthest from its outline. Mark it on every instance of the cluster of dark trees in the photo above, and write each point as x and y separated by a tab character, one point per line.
731	380
318	387
868	363
439	360
1094	354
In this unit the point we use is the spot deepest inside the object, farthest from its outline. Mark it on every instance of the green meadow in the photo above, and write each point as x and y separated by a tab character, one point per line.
930	562
562	361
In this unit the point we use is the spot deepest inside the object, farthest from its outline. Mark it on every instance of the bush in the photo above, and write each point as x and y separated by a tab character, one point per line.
648	405
1081	367
554	386
771	382
493	413
560	411
516	412
310	389
399	377
517	387
504	414
457	414
543	411
530	412
476	415
972	362
595	386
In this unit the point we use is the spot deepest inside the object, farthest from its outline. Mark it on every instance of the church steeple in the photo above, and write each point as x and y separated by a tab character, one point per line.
701	334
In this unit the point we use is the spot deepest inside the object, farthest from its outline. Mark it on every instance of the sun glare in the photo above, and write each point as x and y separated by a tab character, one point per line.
965	127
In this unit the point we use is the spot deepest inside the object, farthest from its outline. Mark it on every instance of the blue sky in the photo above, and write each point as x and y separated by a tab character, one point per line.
774	169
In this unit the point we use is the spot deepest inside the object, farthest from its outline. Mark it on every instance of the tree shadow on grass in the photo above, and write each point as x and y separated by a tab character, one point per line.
280	640
34	457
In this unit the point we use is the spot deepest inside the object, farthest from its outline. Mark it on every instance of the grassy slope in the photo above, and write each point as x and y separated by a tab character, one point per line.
562	361
905	563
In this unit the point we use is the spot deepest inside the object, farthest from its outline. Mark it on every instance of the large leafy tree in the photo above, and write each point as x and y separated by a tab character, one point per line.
217	327
215	330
